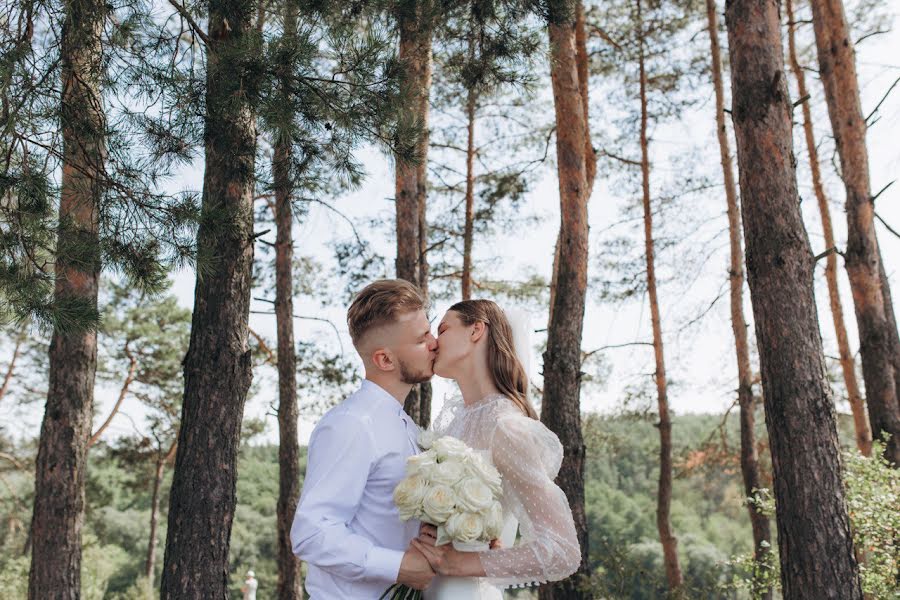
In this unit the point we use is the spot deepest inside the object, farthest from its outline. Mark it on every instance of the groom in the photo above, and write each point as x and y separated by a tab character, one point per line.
346	526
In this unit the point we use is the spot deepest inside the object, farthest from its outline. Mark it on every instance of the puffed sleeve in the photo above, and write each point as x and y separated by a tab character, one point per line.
528	457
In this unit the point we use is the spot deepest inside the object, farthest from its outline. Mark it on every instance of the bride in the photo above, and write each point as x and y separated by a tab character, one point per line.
476	347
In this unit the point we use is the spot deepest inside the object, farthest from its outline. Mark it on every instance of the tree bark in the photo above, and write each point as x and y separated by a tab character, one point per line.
664	491
217	367
816	549
290	585
561	410
469	228
759	522
848	366
410	179
161	462
837	69
893	332
132	367
62	450
581	59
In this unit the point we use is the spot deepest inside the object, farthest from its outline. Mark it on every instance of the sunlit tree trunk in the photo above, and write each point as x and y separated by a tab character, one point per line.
664	490
561	410
62	449
862	259
848	366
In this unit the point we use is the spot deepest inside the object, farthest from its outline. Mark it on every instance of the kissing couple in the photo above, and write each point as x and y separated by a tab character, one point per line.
347	527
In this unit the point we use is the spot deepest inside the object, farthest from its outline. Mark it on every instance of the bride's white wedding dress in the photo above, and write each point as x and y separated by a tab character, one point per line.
528	457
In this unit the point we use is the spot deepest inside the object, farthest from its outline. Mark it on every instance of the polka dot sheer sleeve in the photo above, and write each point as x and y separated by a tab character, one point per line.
528	457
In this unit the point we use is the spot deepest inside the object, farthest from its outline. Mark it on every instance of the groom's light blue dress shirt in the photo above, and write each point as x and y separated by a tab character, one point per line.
346	526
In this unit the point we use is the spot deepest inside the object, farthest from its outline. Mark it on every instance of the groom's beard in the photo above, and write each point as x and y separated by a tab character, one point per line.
411	377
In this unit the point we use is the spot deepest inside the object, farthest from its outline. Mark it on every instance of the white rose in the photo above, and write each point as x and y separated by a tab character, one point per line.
420	464
485	471
473	495
465	527
426	439
493	521
439	503
449	472
408	496
448	448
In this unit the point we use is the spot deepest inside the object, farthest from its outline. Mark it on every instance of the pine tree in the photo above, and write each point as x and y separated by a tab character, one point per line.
750	470
562	360
485	75
879	344
815	543
848	363
60	472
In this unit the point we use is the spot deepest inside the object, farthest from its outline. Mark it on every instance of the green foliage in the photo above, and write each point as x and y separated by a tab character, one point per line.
142	230
873	495
14	576
621	475
872	491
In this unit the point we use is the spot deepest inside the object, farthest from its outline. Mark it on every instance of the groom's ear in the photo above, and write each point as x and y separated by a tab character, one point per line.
478	330
383	359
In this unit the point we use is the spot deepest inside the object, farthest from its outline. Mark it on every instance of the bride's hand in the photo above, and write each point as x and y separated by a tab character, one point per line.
428	534
447	561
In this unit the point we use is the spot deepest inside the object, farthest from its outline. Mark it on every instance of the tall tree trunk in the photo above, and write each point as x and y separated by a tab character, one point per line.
815	545
217	367
414	20
837	69
61	460
561	407
848	366
759	522
123	392
664	491
469	229
289	577
161	462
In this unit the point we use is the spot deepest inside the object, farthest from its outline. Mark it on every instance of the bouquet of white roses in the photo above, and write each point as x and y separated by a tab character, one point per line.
454	488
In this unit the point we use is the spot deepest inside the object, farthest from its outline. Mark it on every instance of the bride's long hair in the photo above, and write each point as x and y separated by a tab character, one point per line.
507	371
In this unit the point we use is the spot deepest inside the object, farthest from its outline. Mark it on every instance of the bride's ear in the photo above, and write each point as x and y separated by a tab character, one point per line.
479	328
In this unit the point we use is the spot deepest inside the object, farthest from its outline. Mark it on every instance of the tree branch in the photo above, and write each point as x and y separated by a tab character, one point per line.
18	464
270	356
336	332
819	257
621	159
132	367
883	98
191	22
9	371
888	227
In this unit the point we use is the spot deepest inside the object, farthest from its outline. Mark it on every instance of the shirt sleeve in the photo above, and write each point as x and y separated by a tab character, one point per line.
341	453
528	456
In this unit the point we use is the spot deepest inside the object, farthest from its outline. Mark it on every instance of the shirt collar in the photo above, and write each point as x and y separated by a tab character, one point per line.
382	398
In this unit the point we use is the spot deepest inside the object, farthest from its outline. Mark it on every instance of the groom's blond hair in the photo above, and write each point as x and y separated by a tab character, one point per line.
380	303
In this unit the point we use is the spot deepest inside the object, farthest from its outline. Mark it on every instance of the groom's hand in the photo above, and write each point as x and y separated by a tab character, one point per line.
415	570
428	534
